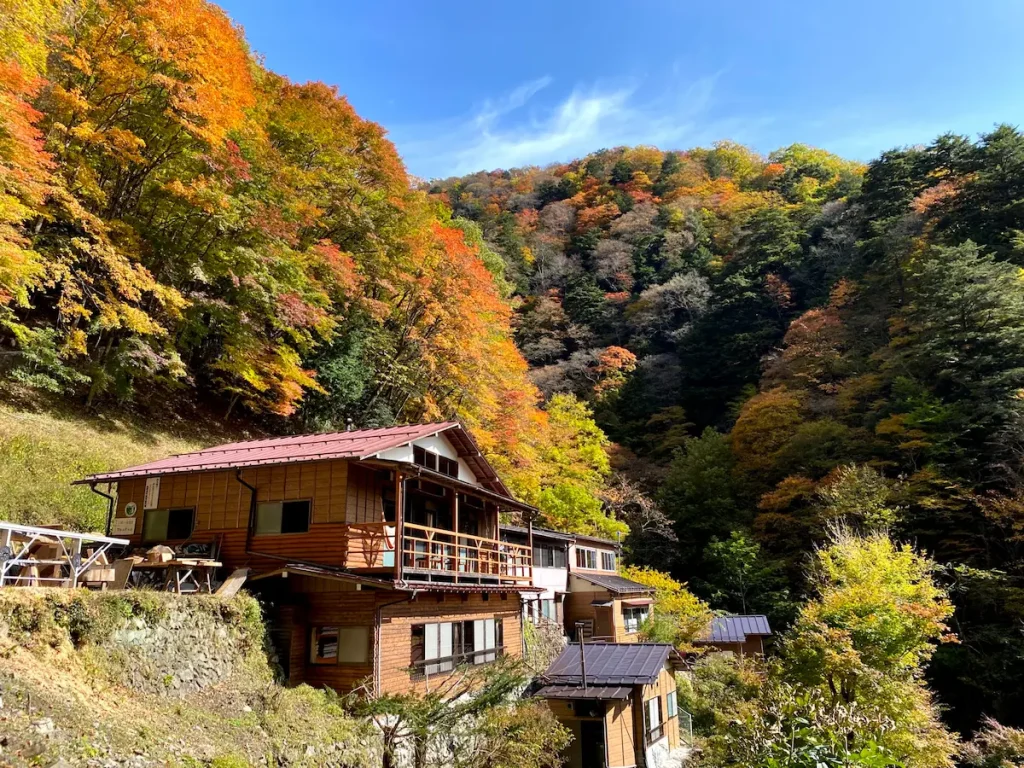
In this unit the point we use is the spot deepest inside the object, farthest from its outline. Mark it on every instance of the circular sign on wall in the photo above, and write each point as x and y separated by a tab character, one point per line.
131	508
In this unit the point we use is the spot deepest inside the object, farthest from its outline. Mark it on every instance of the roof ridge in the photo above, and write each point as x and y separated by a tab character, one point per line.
336	434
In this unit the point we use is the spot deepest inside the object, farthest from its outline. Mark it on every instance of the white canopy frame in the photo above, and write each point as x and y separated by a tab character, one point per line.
16	556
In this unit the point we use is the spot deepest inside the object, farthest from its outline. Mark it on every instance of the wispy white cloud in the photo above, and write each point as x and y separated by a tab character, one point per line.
514	130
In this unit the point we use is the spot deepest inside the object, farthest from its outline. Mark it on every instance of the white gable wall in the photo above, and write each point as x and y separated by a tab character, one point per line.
436	444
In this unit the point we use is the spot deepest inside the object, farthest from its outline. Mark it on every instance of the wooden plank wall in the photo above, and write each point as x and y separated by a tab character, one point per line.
578	608
396	630
564	714
618	724
339	495
662	687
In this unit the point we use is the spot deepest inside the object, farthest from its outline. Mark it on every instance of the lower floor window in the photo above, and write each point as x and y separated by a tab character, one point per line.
634	617
167	524
652	718
439	648
339	645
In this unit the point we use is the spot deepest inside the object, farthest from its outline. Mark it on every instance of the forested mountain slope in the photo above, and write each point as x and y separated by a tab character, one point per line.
765	346
178	222
781	342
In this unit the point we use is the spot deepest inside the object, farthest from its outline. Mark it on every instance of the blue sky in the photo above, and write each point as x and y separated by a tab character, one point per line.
480	84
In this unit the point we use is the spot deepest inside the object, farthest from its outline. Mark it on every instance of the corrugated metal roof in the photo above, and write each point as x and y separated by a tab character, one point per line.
615	584
611	664
355	444
602	692
735	629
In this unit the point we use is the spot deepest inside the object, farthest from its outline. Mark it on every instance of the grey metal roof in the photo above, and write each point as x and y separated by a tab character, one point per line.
539	533
611	664
612	583
602	692
735	629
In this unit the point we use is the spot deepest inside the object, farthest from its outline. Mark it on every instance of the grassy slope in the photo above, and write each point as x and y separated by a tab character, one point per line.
62	702
45	446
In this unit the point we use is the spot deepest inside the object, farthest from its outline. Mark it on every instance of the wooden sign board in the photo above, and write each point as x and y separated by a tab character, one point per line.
152	497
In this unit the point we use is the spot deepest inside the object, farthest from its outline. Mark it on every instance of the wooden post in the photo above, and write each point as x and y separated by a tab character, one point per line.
455	527
76	560
529	543
399	527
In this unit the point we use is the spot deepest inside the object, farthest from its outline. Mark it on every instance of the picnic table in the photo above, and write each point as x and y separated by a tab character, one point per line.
182	574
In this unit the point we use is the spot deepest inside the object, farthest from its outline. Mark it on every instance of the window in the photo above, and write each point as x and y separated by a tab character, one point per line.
434	461
167	524
671	706
547	609
652	719
634	616
608	561
324	646
438	648
586	558
424	458
340	645
548	556
283	516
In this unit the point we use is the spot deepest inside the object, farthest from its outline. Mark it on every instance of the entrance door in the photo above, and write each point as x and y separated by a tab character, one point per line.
592	743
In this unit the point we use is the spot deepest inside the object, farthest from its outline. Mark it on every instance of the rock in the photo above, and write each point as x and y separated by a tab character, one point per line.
310	750
44	726
61	763
247	708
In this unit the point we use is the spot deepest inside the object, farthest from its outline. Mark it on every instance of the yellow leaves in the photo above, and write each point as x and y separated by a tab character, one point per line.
765	424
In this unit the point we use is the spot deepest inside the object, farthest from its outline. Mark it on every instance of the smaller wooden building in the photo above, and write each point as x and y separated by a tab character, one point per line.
742	635
619	701
606	606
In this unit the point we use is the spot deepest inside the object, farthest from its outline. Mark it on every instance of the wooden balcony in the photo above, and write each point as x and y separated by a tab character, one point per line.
429	552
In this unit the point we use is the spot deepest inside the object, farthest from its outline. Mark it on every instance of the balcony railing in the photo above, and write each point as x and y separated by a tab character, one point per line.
431	551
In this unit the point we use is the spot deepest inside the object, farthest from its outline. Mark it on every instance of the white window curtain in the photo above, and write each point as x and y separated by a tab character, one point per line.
437	645
653	713
483	640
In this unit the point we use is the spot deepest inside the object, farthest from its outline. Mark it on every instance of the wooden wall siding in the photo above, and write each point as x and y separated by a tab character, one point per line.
363	499
339	495
608	622
564	714
396	631
662	687
618	725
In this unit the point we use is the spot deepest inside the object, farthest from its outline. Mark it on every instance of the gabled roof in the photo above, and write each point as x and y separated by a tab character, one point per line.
611	664
735	629
615	584
357	444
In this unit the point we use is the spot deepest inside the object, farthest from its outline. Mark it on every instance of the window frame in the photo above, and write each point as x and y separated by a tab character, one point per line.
462	643
627	610
309	517
605	555
147	515
653	733
671	705
314	659
586	552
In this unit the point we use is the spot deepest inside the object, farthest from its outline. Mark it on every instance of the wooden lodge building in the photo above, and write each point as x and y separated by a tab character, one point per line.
379	549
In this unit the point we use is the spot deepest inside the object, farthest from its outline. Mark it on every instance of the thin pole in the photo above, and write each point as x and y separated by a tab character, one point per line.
583	656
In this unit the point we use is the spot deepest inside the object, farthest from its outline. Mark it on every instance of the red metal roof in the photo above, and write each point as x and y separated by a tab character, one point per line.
356	444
